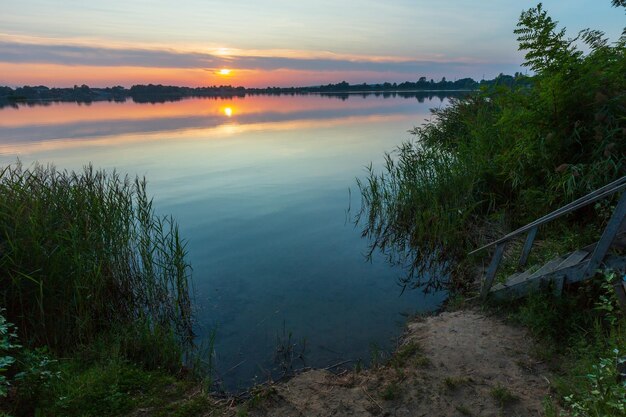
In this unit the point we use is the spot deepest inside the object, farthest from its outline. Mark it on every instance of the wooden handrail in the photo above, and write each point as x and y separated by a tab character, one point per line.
592	197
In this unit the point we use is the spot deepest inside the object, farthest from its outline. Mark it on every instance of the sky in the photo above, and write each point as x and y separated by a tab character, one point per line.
259	43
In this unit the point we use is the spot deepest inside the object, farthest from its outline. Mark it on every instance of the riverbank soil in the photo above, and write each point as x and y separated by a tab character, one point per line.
463	363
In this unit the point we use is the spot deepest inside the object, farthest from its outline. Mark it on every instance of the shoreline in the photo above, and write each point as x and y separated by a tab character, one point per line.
9	101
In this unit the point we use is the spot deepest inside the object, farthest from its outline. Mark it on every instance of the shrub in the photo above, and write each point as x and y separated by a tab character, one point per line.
504	156
8	347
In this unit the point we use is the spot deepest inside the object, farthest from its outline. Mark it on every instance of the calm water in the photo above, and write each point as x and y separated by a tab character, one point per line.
260	187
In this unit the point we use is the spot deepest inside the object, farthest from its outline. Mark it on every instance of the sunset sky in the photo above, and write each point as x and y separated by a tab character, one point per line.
270	43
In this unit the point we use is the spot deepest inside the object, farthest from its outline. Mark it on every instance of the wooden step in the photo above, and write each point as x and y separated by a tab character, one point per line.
558	277
519	284
550	266
574	258
511	280
517	278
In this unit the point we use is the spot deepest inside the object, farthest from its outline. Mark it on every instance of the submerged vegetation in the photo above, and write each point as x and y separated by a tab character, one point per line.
94	288
496	160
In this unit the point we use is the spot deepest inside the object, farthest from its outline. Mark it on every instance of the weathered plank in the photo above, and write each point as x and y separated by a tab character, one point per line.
527	246
574	258
492	269
610	232
550	266
559	277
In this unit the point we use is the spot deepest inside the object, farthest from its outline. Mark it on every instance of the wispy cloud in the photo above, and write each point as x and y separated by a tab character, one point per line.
15	52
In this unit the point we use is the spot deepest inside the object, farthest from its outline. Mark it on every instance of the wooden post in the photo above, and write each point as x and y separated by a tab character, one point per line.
527	246
558	283
492	269
614	225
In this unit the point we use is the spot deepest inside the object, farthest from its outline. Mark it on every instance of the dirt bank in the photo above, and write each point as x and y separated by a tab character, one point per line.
461	363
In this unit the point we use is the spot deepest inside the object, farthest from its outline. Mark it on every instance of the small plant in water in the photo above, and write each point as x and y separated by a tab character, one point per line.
358	366
377	356
288	351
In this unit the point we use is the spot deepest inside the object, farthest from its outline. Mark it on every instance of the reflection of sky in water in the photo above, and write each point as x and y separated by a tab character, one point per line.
261	196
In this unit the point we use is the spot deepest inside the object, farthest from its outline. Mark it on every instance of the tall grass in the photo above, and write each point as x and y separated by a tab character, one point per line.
83	253
496	160
414	211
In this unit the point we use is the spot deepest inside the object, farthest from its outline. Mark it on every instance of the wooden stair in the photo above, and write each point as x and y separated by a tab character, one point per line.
576	266
559	271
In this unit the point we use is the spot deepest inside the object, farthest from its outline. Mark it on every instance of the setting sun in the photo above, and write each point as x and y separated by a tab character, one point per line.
228	111
224	71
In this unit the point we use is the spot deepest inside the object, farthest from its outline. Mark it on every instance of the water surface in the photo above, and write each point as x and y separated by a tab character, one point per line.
260	187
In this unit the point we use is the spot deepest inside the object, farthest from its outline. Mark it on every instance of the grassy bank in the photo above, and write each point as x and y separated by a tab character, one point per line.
94	290
495	161
501	158
582	338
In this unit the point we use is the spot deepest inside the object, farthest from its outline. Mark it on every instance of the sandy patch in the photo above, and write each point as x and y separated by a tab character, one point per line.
454	364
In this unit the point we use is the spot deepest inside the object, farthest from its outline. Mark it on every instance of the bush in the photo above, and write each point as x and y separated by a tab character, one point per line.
584	338
8	348
504	156
606	396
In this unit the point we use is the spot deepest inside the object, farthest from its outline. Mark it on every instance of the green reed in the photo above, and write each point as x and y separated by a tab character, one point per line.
415	211
83	253
497	159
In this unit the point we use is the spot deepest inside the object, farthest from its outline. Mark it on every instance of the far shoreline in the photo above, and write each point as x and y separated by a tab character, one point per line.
158	98
151	93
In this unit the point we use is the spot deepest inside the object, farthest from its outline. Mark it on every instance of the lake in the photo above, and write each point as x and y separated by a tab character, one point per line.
264	190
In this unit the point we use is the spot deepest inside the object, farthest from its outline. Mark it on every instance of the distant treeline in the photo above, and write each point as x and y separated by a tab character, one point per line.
160	93
463	84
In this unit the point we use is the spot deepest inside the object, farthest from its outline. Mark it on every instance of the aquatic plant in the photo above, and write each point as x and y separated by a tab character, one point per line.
83	253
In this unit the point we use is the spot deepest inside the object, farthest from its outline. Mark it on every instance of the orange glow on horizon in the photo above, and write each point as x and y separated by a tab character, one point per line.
55	75
224	71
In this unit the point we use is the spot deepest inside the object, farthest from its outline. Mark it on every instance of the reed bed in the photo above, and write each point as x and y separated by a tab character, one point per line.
83	254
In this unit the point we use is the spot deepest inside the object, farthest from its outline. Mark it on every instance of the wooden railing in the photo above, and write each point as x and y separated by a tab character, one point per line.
600	250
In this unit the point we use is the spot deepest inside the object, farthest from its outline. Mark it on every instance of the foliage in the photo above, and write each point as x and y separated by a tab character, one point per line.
8	346
111	376
99	288
84	253
503	395
583	337
547	47
390	392
106	388
607	302
607	397
38	374
498	159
